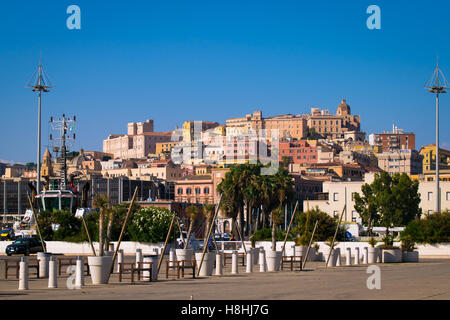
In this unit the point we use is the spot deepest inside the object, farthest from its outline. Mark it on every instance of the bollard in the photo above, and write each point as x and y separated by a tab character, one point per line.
249	262
234	262
357	255
138	256
172	257
23	274
119	259
366	255
262	260
43	264
348	257
219	264
79	273
338	257
52	276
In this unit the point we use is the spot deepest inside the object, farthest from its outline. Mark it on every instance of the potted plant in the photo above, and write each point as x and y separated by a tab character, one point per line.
187	253
334	256
273	257
319	255
302	245
100	265
372	252
390	253
408	250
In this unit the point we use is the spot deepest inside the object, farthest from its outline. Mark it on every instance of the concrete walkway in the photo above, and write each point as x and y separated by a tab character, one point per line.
428	279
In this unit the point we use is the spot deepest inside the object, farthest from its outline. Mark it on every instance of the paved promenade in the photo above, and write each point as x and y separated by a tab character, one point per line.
428	279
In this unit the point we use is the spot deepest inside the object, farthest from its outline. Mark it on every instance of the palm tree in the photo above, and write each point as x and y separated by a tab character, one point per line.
193	212
103	203
208	211
277	218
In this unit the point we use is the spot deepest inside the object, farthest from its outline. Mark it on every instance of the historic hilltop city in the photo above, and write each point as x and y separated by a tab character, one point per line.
314	196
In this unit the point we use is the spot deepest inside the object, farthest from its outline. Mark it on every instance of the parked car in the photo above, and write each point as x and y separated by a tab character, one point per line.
25	246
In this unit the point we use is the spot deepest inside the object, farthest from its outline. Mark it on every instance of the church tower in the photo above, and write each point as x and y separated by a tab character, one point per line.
47	167
343	109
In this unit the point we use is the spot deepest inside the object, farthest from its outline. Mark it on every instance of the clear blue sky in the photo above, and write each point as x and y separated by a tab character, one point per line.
210	60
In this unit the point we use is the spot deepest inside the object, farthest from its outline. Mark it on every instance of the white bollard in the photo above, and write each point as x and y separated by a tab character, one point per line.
52	275
43	264
249	262
338	257
23	274
234	262
79	273
119	259
348	257
138	256
366	255
262	260
356	255
219	264
172	257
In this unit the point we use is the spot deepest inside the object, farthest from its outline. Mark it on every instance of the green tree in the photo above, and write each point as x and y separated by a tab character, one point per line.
151	224
395	200
103	203
326	227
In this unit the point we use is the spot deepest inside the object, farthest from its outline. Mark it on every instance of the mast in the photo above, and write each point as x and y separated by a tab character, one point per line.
39	82
437	86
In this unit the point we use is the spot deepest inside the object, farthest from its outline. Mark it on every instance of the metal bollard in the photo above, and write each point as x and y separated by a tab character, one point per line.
219	264
249	262
357	255
262	260
119	259
79	273
138	256
366	255
234	262
52	275
348	257
23	274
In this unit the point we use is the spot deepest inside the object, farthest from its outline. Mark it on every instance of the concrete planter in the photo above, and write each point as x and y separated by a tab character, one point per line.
154	259
184	254
207	265
410	256
333	259
301	251
273	259
100	267
392	255
372	255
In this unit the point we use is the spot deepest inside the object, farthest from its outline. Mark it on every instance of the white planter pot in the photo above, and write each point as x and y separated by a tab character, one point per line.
255	254
372	255
333	259
154	259
411	256
319	256
312	254
184	254
100	267
273	259
392	255
208	263
300	251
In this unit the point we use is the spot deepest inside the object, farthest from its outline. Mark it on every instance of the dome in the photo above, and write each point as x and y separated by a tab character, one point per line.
343	109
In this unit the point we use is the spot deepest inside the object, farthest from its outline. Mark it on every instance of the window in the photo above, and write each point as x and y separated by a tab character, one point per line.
180	191
206	190
353	216
188	191
335	214
197	190
335	196
448	196
430	196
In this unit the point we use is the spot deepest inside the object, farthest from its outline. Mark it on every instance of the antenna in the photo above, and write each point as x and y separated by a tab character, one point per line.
437	84
63	126
39	82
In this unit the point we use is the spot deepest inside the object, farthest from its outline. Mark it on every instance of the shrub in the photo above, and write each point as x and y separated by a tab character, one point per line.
434	228
151	224
265	234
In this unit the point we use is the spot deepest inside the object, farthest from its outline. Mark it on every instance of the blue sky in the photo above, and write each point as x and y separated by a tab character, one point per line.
211	60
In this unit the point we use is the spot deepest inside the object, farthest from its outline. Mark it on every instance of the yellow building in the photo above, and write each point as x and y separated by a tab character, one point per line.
429	158
163	147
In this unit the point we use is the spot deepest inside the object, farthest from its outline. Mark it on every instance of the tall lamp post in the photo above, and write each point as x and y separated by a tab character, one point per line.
437	85
39	82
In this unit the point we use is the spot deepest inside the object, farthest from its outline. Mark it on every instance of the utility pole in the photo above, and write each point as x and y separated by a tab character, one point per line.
437	85
39	82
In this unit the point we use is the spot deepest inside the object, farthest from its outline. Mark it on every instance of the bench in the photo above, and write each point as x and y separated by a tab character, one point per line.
173	265
291	260
70	262
229	255
140	268
124	270
15	265
187	264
